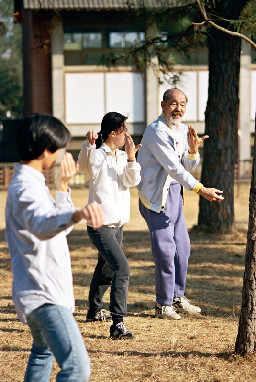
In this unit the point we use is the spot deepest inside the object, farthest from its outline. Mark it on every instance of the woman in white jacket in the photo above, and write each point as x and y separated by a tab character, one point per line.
112	172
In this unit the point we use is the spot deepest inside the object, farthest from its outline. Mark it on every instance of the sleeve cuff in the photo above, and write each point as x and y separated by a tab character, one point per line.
63	198
63	195
192	156
132	164
197	188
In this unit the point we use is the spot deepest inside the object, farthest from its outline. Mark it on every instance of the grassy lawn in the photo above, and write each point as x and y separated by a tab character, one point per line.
193	349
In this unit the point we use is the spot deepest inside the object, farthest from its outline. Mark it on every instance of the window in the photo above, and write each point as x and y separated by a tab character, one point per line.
253	56
72	41
92	40
78	41
89	47
125	39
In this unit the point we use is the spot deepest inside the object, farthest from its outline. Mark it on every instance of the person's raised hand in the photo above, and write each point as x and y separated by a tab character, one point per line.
193	140
91	136
68	168
130	147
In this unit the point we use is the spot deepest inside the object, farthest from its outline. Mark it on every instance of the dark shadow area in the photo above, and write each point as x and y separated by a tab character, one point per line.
7	348
6	297
9	309
211	264
12	330
94	337
9	320
79	239
130	353
82	279
5	264
8	150
2	235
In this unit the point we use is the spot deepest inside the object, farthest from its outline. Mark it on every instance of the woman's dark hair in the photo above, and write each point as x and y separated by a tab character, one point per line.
39	132
110	122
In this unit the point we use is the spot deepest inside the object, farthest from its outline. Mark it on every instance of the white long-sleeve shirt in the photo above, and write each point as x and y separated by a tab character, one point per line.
36	229
110	179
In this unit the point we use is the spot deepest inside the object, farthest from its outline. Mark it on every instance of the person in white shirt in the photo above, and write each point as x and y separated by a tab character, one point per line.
36	229
112	172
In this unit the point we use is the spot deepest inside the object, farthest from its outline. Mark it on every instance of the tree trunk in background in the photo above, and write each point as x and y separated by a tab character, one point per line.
221	118
246	337
221	122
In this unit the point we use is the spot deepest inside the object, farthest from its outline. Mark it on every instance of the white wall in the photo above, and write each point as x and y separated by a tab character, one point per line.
88	96
252	94
195	85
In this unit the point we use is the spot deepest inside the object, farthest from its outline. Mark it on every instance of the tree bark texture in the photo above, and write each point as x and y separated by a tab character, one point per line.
37	62
221	122
246	337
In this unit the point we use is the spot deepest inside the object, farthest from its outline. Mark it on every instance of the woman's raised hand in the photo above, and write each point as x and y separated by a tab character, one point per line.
68	168
91	136
130	147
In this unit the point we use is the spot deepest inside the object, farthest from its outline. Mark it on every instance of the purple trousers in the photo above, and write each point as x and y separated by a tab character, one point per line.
170	246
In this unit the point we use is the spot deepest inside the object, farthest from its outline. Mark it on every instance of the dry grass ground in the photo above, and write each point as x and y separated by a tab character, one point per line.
194	349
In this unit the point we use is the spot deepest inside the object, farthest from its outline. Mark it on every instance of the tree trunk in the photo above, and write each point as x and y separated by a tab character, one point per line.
246	337
221	120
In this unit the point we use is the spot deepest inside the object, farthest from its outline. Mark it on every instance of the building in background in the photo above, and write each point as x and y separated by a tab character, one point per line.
63	44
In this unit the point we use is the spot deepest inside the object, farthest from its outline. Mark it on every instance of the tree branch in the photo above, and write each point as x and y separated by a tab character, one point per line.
237	34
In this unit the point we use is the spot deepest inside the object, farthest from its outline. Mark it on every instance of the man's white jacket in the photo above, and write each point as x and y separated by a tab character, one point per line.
161	165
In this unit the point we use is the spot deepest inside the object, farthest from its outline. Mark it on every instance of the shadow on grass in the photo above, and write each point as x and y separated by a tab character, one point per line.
79	239
13	349
215	271
214	279
12	330
4	262
8	309
9	320
2	236
131	353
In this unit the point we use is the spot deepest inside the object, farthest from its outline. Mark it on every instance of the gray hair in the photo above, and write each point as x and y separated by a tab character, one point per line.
166	94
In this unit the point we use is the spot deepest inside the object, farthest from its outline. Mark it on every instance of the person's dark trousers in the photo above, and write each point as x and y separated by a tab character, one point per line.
112	270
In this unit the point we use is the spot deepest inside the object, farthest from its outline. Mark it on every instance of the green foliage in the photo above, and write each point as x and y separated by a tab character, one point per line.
10	63
3	29
246	21
248	18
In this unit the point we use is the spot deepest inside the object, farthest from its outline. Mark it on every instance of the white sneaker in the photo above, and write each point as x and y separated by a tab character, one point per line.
164	311
182	304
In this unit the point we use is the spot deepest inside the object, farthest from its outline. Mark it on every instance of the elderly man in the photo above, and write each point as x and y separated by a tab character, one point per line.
169	152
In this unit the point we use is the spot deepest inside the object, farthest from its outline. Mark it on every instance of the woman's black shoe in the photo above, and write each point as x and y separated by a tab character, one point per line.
119	332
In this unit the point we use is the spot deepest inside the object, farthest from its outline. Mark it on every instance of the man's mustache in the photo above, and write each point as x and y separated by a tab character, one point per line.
177	113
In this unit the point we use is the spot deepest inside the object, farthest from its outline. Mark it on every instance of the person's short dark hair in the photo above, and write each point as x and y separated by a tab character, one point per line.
166	94
39	132
111	121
